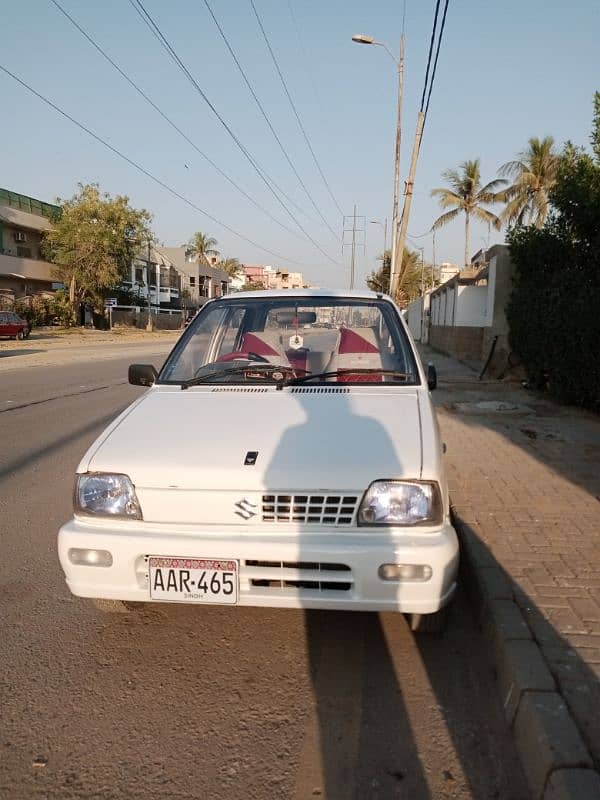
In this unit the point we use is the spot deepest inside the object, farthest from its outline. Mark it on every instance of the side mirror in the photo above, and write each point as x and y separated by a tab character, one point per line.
142	374
431	377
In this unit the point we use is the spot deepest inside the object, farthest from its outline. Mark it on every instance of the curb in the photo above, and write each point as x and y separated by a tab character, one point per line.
555	760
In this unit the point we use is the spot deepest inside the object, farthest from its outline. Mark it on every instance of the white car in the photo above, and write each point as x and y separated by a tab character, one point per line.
273	465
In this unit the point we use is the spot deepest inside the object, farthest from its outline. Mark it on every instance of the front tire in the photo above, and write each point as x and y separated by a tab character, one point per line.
20	335
429	624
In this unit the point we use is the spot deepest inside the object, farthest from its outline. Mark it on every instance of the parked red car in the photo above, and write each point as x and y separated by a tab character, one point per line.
13	326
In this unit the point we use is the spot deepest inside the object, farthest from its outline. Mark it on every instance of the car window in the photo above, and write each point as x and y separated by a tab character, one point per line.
357	340
3	319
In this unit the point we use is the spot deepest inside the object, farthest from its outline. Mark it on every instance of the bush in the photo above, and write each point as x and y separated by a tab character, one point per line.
61	309
554	310
36	310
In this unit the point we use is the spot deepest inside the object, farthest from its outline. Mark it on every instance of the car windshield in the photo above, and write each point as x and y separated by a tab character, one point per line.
274	338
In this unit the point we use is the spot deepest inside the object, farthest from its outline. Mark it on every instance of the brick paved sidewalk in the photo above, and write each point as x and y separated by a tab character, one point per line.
524	474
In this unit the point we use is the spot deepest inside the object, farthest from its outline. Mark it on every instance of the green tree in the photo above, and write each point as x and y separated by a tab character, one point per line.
553	309
466	195
533	175
231	266
252	286
379	280
93	242
410	284
201	244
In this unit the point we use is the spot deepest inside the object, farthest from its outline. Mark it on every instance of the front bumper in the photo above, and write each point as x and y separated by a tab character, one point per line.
294	559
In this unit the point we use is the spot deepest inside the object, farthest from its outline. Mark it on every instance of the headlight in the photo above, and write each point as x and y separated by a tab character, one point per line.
107	495
401	503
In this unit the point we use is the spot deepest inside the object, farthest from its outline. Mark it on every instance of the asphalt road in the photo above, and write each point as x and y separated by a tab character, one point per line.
181	702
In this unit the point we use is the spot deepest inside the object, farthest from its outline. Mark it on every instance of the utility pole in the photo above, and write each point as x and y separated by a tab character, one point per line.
353	248
394	255
397	272
149	326
358	228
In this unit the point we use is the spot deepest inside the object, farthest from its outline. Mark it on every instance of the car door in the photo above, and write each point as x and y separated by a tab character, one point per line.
13	324
4	329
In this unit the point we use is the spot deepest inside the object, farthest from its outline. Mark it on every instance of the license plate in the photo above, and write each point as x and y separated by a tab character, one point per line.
193	580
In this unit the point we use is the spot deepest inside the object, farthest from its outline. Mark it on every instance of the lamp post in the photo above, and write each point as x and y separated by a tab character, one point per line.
362	39
149	326
384	226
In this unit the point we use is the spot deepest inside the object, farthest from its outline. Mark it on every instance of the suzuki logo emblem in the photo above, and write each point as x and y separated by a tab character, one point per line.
245	509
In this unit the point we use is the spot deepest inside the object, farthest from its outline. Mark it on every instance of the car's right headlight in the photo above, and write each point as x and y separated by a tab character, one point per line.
401	503
106	494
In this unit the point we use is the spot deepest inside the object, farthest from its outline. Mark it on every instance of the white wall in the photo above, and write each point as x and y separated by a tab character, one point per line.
414	317
471	306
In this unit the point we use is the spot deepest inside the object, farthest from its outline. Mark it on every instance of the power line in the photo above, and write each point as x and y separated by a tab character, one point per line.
149	100
305	57
294	109
141	169
267	120
269	182
437	52
435	19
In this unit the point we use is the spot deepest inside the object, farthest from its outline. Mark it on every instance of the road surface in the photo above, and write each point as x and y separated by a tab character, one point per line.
181	702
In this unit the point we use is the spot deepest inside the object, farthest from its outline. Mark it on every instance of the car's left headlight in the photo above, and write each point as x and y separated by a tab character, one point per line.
106	494
401	503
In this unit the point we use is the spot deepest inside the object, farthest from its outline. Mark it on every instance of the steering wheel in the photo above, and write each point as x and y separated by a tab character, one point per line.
240	355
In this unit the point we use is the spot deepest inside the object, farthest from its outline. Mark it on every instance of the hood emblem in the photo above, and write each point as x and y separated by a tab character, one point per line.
245	509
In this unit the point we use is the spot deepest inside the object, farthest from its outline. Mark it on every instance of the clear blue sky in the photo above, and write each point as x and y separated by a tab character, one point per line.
507	71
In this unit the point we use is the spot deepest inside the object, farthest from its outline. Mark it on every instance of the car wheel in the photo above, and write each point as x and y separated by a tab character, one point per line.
115	606
20	335
429	623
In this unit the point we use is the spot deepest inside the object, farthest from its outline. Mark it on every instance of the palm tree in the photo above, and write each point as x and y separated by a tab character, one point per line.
379	280
231	266
534	175
467	195
201	244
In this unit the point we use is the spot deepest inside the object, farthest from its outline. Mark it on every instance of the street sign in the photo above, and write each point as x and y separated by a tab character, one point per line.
110	301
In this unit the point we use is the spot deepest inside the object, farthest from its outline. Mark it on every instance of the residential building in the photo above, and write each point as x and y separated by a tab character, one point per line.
201	280
23	221
152	269
447	271
284	279
272	278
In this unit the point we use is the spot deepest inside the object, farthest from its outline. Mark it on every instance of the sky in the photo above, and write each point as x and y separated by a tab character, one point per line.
507	71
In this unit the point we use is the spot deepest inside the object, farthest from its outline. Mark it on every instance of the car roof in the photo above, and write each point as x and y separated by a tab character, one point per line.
354	294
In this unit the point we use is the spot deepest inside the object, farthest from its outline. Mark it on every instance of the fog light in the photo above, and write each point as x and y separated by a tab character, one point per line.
405	572
90	558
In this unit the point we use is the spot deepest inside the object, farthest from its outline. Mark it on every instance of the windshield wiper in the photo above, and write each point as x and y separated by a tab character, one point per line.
209	376
349	371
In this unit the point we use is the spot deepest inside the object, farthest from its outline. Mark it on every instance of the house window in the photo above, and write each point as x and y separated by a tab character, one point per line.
24	252
192	280
139	275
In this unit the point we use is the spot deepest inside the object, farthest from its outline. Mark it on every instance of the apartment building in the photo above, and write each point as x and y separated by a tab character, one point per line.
23	269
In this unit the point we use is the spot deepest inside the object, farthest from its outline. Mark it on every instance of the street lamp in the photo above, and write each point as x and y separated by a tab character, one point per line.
384	226
361	38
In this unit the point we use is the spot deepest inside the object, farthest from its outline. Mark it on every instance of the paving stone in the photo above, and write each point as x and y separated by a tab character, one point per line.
573	784
586	609
547	738
535	521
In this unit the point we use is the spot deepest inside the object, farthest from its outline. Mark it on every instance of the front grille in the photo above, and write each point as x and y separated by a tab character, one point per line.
312	575
320	509
319	390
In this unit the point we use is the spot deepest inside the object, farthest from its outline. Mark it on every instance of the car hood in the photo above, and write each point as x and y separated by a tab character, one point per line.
304	438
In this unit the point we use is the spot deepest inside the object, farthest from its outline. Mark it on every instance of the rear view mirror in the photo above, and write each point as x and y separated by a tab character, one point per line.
142	374
293	318
431	377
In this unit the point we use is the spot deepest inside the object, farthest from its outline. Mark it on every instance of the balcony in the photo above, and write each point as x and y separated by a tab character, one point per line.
31	269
